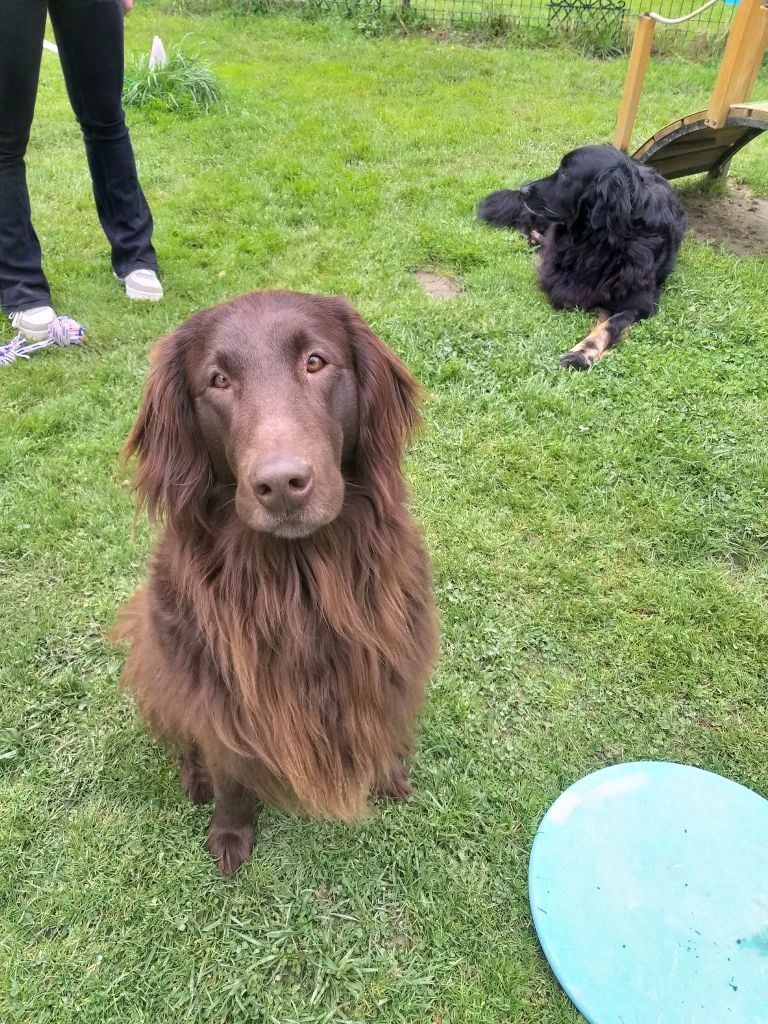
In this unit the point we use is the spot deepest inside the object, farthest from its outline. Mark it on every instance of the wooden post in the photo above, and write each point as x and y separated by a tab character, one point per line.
741	61
752	68
633	83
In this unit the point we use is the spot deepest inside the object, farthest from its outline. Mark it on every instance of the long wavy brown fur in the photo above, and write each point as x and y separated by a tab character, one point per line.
301	663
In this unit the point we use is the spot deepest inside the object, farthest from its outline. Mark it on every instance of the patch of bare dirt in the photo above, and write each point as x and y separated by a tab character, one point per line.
439	286
737	221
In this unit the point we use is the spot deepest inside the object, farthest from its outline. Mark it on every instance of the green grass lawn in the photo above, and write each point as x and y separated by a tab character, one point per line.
599	540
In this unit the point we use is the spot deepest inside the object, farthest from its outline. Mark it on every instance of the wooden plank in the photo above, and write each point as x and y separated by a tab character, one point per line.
705	157
633	83
690	133
696	157
743	52
754	111
708	137
697	141
670	129
685	165
674	162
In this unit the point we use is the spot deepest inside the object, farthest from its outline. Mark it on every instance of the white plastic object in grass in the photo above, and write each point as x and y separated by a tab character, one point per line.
158	58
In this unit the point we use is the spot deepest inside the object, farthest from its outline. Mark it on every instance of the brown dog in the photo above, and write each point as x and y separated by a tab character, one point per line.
288	628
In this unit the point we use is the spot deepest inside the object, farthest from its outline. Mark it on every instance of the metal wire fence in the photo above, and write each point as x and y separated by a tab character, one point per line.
603	27
607	24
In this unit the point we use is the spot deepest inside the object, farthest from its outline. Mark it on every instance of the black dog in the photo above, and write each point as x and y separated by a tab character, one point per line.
612	230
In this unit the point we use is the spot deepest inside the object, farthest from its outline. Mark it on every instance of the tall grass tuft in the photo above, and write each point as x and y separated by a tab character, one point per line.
184	85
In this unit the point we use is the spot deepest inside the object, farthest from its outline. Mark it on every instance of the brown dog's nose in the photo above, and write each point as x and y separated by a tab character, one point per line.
283	483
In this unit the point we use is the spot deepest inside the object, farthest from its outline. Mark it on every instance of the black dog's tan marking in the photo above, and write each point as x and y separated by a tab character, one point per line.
612	231
607	332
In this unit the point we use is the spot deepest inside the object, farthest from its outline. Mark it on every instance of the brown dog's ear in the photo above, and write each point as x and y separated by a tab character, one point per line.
174	471
388	414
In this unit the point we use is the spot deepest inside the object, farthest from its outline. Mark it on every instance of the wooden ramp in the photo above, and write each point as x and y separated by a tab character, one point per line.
690	146
708	139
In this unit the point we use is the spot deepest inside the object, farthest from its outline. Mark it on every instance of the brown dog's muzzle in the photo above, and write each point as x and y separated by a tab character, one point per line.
289	480
283	483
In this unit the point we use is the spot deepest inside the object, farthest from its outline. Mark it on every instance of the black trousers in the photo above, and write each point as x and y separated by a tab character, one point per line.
89	34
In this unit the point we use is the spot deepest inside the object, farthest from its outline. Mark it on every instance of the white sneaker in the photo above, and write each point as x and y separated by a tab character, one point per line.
33	323
143	284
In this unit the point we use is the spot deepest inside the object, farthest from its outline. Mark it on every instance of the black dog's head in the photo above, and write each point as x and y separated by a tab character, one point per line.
597	186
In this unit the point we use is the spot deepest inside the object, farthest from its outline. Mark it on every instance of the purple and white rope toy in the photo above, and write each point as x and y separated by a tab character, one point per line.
63	331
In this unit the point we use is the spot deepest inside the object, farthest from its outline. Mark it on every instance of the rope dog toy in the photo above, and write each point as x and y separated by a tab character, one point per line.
63	331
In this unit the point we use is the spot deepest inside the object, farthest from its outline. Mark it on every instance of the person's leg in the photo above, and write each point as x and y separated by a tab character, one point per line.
89	34
22	283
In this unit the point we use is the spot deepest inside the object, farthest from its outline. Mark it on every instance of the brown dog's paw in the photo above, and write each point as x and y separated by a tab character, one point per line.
194	780
397	786
574	360
230	847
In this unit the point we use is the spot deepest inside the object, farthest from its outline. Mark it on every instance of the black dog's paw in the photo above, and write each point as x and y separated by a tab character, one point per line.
574	360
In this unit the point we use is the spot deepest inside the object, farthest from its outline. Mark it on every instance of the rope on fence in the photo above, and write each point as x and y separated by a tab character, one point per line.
685	17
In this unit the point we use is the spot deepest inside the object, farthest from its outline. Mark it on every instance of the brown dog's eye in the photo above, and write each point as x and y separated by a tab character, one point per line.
315	363
219	381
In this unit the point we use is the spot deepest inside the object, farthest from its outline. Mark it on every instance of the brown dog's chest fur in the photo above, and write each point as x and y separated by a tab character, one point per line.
294	660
